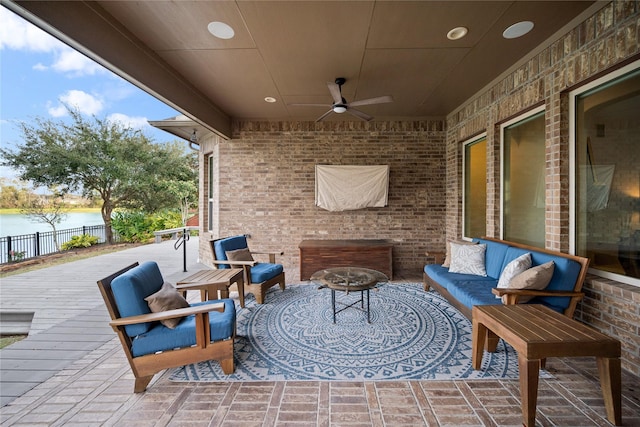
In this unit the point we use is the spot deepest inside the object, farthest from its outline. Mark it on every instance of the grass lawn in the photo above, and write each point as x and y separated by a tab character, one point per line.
5	341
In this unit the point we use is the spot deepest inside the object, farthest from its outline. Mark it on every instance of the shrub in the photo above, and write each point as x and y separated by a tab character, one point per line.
82	241
136	226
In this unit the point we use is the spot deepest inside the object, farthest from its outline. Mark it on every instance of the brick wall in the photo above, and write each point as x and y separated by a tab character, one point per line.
608	38
266	186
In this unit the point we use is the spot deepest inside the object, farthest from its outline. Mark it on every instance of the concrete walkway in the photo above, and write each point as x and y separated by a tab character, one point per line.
70	319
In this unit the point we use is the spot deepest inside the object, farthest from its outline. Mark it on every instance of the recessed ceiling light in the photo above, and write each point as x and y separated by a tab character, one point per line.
457	33
518	29
220	30
270	99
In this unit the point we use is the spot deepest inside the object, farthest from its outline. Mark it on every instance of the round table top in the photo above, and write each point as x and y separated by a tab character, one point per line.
348	278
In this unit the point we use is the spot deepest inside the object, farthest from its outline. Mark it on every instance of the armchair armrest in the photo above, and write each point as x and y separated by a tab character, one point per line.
272	255
227	262
513	294
437	257
169	314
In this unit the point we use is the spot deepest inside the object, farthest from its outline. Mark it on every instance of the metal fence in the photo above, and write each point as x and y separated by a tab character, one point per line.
25	246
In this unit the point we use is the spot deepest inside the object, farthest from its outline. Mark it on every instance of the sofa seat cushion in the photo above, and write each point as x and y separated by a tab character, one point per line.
474	292
445	279
264	271
161	338
130	290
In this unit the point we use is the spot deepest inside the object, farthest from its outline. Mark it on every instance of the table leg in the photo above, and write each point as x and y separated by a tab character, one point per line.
333	304
368	308
610	382
477	341
240	286
529	372
203	294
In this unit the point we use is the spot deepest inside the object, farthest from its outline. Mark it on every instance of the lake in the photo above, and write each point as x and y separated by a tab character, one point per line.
17	224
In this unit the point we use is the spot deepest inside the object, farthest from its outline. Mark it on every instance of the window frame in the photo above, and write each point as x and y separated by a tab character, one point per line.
573	182
468	142
519	118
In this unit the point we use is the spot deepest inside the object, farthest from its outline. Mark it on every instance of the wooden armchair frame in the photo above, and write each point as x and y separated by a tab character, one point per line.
146	366
257	289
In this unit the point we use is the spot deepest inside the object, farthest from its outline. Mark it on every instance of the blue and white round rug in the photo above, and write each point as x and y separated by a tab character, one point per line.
413	334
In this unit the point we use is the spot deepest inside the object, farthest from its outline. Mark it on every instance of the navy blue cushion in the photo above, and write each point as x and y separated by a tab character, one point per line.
161	338
229	244
131	288
474	292
494	257
264	271
445	279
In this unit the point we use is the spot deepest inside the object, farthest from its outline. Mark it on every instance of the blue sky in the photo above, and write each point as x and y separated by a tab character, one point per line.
38	73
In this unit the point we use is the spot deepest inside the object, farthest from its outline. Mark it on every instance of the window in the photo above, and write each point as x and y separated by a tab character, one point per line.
474	194
606	174
523	179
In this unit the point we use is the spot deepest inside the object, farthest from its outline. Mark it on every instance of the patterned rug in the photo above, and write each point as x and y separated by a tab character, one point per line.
413	334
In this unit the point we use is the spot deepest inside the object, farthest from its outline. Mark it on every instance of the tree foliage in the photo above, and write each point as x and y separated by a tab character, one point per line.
50	210
124	167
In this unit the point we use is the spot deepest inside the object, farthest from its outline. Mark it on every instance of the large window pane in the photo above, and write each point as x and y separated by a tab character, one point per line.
523	181
475	189
607	138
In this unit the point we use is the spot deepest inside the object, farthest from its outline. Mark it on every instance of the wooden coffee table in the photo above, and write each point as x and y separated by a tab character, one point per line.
537	332
209	282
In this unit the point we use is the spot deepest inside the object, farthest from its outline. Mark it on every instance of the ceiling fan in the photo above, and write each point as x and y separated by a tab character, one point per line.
340	105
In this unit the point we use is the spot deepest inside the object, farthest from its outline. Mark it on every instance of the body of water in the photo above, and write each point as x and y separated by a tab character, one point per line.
17	224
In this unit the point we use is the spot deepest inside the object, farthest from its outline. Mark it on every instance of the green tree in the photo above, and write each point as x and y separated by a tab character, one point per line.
124	167
50	210
14	194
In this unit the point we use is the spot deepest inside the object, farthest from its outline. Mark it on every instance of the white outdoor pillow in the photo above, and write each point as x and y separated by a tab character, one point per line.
468	259
515	267
447	257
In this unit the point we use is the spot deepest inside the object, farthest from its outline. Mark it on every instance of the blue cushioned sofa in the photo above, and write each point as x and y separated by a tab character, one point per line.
466	290
206	330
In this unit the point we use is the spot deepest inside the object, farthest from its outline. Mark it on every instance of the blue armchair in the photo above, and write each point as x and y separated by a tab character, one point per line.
258	276
166	337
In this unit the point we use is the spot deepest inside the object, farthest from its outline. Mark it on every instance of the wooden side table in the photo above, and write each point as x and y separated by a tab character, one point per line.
537	332
209	282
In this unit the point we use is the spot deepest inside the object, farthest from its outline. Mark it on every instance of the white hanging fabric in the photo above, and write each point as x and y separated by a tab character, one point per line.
341	188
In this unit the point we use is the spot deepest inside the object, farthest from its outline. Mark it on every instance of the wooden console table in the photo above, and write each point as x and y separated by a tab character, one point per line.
537	332
318	254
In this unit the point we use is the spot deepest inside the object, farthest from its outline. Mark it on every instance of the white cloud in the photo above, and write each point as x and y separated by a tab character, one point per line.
73	62
18	34
128	121
85	103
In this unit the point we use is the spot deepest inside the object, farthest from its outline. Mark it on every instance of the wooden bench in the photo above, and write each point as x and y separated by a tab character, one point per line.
537	332
372	254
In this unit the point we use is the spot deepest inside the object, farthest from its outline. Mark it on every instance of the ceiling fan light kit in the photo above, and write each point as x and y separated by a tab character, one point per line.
340	105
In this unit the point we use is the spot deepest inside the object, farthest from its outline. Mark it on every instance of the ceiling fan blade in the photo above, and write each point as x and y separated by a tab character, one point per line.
319	119
359	114
309	105
378	100
335	92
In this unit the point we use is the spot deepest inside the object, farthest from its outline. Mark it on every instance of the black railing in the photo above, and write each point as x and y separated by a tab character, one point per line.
25	246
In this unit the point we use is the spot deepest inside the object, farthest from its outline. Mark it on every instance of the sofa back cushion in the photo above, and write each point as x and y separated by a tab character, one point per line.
130	290
222	246
565	275
494	257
